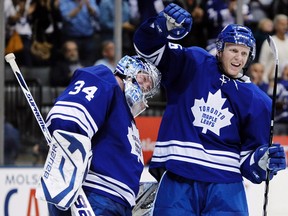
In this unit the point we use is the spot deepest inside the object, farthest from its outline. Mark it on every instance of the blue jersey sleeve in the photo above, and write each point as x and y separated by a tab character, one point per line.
255	132
170	58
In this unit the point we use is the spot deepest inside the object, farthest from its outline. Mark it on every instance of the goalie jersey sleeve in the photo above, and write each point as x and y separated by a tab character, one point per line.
94	105
217	121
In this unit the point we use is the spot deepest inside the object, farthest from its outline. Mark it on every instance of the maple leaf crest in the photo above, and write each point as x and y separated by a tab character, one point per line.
133	137
210	115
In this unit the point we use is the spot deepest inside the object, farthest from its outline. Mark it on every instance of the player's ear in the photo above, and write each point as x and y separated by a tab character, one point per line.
219	55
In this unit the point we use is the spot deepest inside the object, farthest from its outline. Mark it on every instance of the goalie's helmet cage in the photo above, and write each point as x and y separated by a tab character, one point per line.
128	67
237	34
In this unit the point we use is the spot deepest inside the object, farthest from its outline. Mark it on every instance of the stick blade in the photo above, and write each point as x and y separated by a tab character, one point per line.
273	47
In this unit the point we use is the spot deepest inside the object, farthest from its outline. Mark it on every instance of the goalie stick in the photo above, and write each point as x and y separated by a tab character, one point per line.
82	205
274	50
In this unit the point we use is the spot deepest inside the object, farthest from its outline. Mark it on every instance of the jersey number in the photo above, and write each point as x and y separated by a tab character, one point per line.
89	91
174	46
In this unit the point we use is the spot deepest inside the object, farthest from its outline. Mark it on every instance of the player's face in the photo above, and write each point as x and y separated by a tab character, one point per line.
145	82
71	52
234	58
134	96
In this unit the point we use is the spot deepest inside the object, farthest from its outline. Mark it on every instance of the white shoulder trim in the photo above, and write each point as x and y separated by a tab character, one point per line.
155	57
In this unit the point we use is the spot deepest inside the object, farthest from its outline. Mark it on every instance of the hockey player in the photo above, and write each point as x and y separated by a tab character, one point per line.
95	115
215	129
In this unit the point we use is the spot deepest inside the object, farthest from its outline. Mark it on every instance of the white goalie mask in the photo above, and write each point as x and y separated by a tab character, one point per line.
141	81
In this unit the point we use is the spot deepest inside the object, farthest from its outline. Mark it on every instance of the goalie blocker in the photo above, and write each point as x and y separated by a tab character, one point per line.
65	169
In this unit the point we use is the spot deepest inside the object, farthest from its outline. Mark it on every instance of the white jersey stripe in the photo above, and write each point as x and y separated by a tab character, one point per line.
69	118
84	110
197	145
99	187
196	161
95	180
75	114
195	153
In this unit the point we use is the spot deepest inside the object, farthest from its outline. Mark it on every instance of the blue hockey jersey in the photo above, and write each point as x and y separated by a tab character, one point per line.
94	105
212	123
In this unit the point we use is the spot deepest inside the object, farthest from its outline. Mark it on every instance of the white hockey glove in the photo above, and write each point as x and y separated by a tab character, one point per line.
65	169
272	158
174	22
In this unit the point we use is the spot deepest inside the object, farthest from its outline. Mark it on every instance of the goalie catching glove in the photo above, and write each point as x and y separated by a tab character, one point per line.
174	22
65	169
272	158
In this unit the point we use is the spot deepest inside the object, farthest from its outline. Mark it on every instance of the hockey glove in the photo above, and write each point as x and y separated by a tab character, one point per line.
272	158
65	169
174	22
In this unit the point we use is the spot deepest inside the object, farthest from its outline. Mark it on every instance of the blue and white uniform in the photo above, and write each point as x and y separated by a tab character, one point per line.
94	105
212	123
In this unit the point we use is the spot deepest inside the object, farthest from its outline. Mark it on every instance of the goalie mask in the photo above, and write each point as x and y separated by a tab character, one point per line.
237	34
141	81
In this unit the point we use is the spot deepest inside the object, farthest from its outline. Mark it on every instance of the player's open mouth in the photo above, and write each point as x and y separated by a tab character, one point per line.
235	65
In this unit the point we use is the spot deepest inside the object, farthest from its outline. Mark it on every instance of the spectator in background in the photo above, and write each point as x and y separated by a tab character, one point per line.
218	14
197	35
10	18
281	40
78	18
41	19
281	113
258	12
256	72
63	69
279	7
106	20
23	27
107	8
264	28
149	8
16	22
281	117
12	143
108	55
56	35
284	78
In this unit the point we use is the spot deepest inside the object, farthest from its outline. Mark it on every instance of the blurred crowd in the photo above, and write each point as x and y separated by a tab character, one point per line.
67	34
45	25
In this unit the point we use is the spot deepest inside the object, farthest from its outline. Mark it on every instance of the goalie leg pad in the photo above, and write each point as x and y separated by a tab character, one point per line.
65	169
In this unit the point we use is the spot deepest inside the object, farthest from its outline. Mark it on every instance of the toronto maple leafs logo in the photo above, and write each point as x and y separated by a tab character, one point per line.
210	115
133	137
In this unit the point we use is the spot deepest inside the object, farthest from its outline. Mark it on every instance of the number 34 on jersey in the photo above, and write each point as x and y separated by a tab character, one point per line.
89	90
